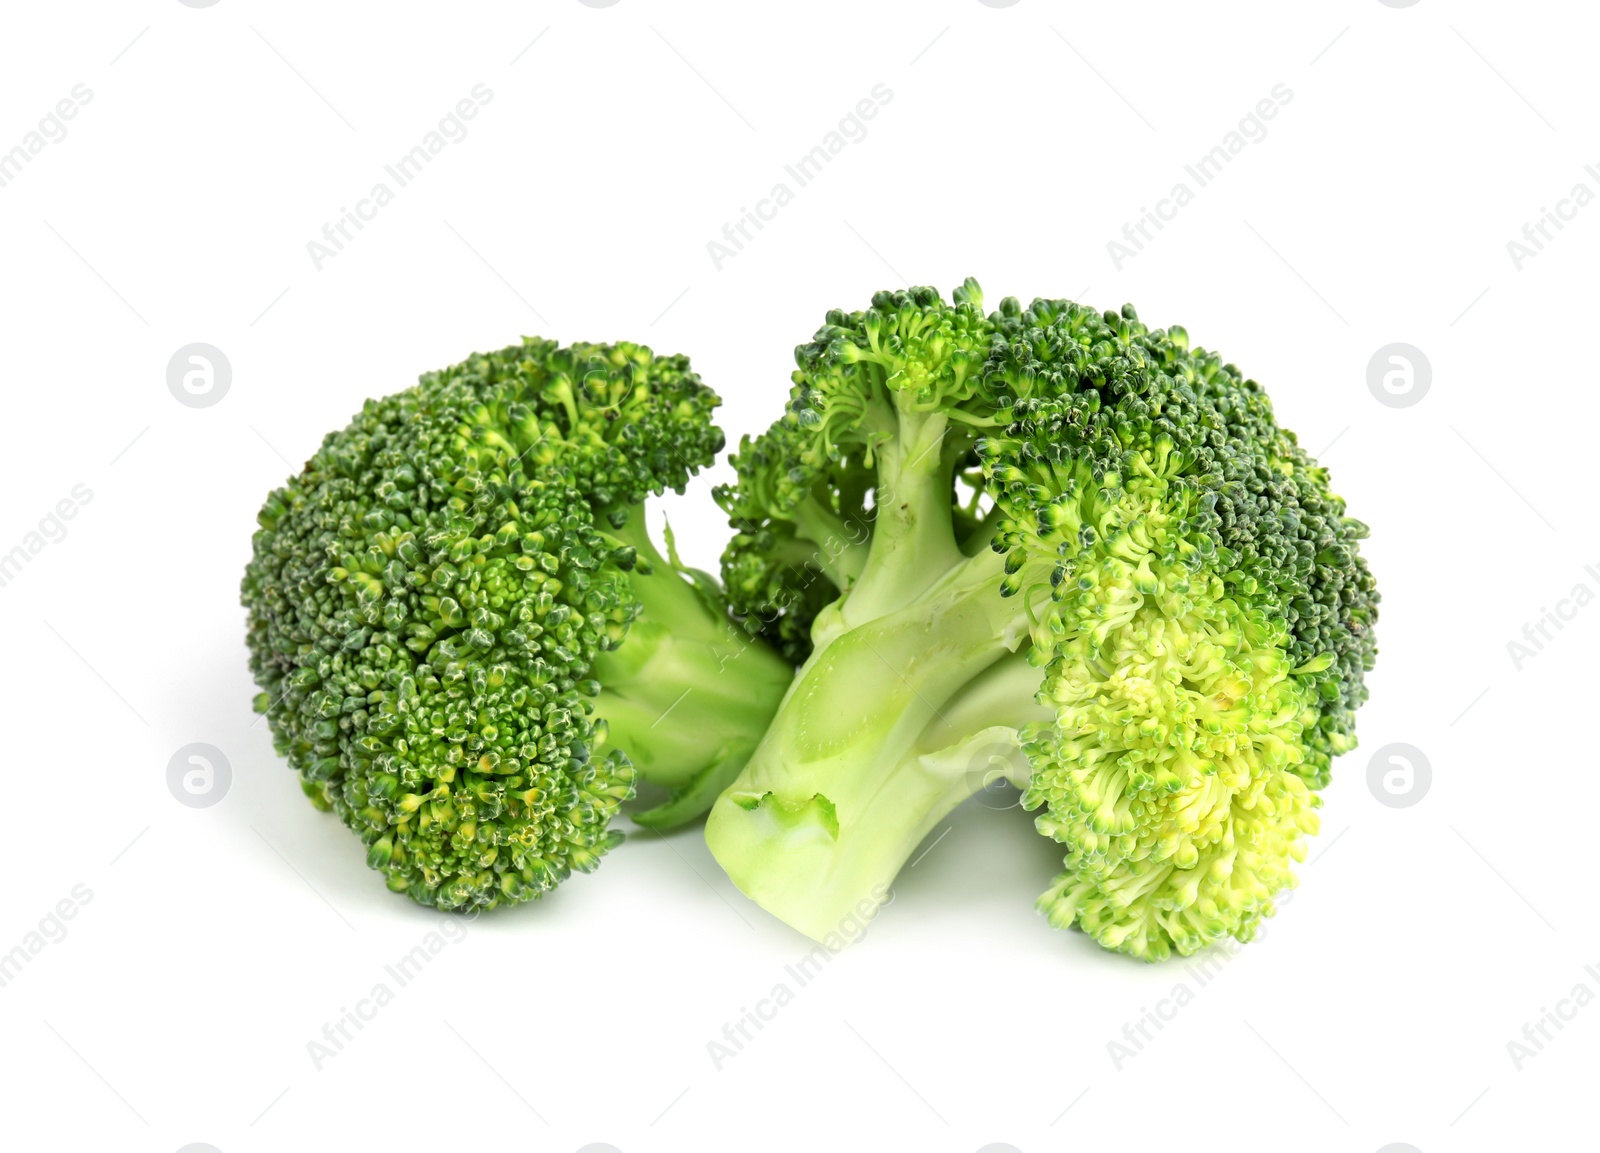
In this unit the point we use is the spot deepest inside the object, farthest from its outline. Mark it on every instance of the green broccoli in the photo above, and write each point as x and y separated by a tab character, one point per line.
1058	541
467	643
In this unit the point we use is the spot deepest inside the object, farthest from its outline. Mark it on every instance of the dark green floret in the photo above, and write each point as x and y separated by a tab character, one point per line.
467	641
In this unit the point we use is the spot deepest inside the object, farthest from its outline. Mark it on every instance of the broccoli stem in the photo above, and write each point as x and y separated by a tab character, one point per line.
877	741
913	533
687	696
841	550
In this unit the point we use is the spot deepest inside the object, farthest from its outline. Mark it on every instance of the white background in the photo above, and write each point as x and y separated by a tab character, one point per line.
218	942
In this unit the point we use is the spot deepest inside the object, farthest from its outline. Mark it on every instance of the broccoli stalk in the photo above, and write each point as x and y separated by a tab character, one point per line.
880	739
688	696
1158	629
915	663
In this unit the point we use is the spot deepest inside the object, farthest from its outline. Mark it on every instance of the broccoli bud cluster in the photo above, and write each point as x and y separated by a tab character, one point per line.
427	598
1178	570
1202	613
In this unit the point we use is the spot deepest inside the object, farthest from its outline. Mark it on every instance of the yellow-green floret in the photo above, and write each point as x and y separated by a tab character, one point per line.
1175	637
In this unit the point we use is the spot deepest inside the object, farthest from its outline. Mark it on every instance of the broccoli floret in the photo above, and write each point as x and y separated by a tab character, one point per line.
468	645
1057	533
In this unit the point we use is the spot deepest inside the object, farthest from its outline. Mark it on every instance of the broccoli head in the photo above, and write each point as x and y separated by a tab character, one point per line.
468	645
1059	534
